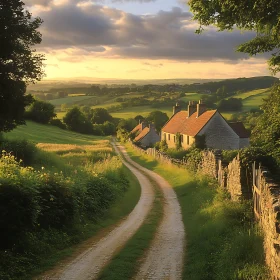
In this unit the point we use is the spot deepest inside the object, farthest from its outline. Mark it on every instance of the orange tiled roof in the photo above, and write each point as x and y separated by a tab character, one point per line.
137	128
240	130
142	134
188	126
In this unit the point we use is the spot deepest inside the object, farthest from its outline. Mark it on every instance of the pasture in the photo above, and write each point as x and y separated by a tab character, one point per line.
38	133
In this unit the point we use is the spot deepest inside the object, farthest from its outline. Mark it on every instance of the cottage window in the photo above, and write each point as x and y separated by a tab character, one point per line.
174	138
168	136
188	140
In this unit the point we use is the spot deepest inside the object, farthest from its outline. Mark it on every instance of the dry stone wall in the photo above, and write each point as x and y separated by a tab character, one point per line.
270	223
209	164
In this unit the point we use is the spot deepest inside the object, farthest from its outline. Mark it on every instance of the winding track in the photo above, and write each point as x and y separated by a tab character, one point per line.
165	257
163	260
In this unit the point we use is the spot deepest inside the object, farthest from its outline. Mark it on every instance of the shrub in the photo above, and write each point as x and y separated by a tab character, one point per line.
56	203
41	112
18	212
21	149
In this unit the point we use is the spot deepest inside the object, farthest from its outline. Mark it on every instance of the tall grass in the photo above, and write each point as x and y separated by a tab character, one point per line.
223	242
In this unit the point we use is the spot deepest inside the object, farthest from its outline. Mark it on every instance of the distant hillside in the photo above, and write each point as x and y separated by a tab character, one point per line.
234	85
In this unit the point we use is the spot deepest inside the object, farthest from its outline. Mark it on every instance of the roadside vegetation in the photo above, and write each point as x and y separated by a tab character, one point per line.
55	195
222	240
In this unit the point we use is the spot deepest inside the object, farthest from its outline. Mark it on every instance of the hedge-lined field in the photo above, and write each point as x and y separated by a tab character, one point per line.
55	195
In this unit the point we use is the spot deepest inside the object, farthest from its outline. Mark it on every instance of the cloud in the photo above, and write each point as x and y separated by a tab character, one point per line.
101	30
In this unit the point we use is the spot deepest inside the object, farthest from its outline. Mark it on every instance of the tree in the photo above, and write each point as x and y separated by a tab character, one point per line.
262	16
266	133
19	64
100	116
158	118
75	120
41	112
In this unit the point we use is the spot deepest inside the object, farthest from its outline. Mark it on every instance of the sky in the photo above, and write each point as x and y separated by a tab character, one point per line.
137	39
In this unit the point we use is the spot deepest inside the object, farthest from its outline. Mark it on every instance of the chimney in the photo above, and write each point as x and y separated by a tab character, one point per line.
201	108
143	125
191	108
176	108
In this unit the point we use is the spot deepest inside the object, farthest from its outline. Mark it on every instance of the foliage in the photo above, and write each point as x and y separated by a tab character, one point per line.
41	112
100	116
76	121
266	132
139	118
178	142
21	149
18	62
231	104
193	159
161	146
127	124
158	118
229	155
260	16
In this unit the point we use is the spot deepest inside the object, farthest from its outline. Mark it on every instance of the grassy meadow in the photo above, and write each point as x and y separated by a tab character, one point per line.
222	241
39	133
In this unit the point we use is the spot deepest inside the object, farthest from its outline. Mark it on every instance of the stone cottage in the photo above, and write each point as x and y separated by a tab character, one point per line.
146	134
198	121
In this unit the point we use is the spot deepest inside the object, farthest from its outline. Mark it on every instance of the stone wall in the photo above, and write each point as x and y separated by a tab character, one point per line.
233	183
209	164
270	222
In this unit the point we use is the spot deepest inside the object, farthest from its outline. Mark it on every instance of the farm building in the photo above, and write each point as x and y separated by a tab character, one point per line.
146	134
198	121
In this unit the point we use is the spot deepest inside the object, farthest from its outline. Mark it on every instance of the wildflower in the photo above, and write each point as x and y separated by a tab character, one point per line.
42	167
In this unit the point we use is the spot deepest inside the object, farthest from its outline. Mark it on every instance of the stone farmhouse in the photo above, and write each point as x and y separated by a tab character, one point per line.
198	121
146	134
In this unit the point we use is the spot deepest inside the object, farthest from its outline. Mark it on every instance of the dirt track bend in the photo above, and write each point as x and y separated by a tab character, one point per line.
88	265
165	257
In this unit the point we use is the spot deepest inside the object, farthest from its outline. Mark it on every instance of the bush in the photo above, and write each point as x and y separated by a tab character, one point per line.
41	112
56	204
21	149
18	213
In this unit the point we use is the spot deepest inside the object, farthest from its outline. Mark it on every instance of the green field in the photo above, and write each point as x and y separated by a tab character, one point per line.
39	133
139	110
70	100
191	97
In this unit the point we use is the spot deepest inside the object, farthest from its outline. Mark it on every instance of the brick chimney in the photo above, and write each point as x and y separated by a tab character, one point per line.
176	108
201	108
191	108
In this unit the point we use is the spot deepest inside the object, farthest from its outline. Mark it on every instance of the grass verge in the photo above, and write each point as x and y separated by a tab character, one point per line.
222	241
125	264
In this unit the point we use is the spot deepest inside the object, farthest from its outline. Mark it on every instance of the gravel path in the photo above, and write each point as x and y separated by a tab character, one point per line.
165	257
88	265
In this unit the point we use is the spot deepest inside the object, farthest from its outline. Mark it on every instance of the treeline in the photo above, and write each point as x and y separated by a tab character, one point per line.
231	86
79	119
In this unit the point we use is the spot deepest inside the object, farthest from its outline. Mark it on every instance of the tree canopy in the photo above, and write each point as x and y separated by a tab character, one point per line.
158	118
262	16
19	64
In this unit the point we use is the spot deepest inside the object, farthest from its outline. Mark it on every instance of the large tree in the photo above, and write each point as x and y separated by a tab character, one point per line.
19	64
158	118
262	16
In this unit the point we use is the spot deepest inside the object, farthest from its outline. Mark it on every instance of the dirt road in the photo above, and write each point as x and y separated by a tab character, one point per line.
165	257
163	260
89	264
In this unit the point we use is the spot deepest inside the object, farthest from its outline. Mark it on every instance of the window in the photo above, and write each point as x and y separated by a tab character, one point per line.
174	138
188	140
168	136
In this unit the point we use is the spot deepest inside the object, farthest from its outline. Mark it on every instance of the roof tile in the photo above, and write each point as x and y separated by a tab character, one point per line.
183	124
